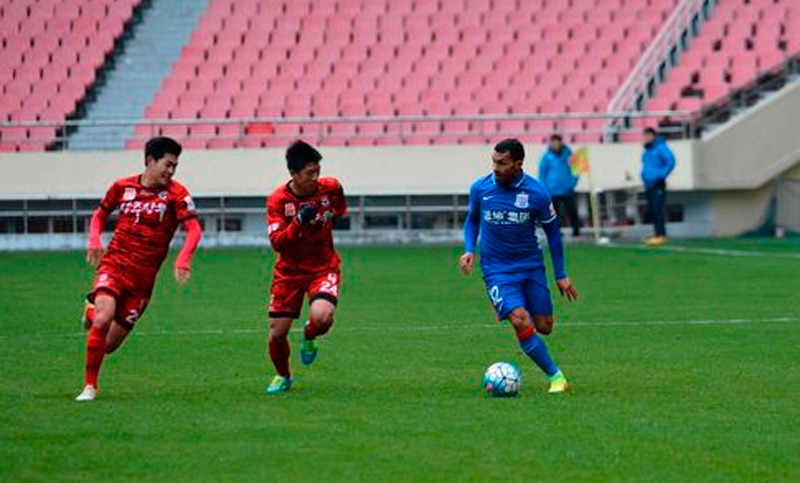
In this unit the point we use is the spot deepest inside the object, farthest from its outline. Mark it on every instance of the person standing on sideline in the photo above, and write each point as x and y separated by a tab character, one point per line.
657	164
556	174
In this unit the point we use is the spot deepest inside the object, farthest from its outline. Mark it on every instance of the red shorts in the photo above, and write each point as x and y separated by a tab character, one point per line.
131	290
286	294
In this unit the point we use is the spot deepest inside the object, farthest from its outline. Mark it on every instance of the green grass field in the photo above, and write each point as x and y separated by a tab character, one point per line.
684	364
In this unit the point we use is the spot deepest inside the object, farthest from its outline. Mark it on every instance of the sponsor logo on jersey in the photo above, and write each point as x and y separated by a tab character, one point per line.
139	208
273	227
189	203
521	201
500	217
129	194
289	209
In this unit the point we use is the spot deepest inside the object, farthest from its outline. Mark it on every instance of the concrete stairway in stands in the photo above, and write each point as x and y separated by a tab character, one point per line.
144	60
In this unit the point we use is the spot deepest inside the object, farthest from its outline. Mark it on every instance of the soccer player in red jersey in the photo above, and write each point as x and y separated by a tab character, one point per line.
151	206
300	216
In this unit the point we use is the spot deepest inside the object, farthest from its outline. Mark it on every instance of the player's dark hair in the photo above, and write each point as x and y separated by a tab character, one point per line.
650	130
556	137
299	154
159	146
512	146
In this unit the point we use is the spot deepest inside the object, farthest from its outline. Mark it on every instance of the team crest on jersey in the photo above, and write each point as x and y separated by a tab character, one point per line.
289	209
325	202
163	195
521	201
129	194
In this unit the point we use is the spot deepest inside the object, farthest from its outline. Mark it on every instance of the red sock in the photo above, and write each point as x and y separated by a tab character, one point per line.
312	330
526	334
95	350
279	352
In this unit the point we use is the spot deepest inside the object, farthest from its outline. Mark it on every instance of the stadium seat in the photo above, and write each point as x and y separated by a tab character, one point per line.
355	58
52	49
740	41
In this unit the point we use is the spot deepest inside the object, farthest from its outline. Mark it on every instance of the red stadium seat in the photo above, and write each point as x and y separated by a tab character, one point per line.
381	58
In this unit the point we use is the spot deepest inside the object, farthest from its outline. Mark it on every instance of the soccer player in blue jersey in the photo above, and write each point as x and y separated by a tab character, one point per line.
505	207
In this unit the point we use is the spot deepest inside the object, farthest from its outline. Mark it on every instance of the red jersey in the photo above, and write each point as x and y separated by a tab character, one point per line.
147	221
305	249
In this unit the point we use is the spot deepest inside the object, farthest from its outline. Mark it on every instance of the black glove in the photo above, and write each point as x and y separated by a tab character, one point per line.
307	214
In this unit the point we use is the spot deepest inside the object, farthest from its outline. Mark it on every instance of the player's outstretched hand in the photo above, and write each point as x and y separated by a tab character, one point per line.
466	262
93	256
567	289
307	214
182	275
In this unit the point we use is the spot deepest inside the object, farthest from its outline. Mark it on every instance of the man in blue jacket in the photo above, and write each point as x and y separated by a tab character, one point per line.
555	173
657	163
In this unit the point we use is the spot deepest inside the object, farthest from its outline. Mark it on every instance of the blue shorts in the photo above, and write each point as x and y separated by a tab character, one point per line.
528	289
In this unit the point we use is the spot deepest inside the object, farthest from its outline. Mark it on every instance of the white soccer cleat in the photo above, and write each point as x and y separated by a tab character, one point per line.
89	394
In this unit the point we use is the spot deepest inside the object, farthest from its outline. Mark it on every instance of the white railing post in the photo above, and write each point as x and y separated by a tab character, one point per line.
647	66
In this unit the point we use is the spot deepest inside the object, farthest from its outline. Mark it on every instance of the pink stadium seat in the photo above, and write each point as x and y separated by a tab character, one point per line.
383	58
738	42
52	53
174	130
222	143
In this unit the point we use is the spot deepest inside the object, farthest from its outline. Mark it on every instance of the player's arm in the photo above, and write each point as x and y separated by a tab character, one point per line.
552	230
186	213
96	225
107	206
472	226
339	203
282	233
194	232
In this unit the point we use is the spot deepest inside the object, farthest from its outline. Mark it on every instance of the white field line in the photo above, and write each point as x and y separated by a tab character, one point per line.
423	328
709	251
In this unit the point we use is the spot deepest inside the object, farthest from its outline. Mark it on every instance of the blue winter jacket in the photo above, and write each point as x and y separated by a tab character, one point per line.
657	162
555	172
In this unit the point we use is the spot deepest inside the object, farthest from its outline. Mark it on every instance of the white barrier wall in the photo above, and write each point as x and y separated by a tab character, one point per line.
362	170
726	184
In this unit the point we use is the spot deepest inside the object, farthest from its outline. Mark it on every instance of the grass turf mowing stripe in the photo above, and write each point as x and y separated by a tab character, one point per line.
706	251
429	328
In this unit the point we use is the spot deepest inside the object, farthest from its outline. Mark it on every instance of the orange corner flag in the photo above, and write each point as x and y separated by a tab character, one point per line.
579	161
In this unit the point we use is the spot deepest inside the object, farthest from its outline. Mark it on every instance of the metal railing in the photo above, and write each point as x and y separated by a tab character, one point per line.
582	127
649	66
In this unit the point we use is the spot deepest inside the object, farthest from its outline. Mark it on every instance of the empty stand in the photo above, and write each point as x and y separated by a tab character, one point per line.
50	52
356	58
154	44
740	40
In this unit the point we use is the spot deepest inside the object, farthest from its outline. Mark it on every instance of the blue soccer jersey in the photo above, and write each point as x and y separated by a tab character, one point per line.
506	218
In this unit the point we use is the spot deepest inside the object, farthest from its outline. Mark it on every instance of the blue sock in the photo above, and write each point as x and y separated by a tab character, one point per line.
535	348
